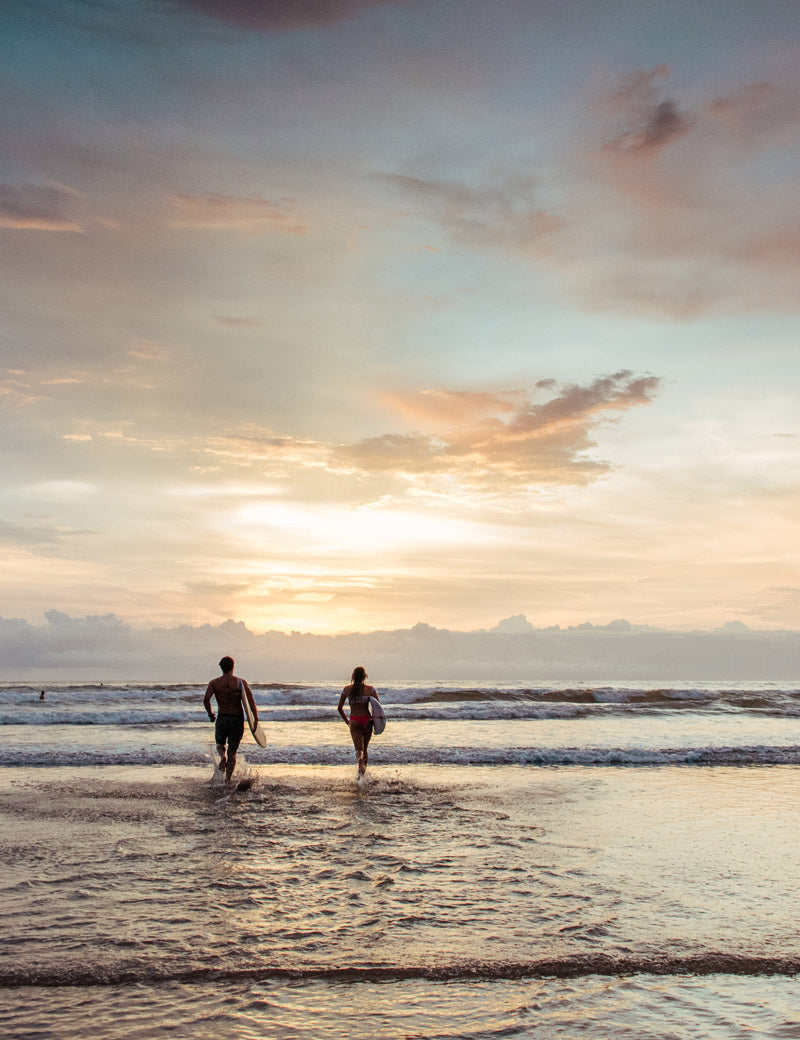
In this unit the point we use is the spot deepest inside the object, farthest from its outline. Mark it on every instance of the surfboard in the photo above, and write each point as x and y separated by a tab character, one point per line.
378	716
255	727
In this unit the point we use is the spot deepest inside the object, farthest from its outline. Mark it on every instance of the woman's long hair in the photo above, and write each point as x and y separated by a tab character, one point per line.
358	677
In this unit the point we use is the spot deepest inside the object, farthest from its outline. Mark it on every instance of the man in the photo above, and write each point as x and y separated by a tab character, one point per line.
229	720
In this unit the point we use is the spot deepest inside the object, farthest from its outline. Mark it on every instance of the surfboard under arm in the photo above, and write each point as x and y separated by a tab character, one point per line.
255	727
378	716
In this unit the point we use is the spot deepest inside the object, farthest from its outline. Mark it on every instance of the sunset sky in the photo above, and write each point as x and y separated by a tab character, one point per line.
342	315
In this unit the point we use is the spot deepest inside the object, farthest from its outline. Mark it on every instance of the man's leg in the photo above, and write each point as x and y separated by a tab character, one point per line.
234	739
220	738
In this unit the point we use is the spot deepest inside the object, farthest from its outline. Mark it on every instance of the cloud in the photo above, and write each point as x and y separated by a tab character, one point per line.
271	15
233	322
758	114
478	439
665	206
687	211
650	123
503	213
15	390
230	212
80	647
664	123
262	446
19	534
437	409
147	350
35	207
504	439
214	591
514	625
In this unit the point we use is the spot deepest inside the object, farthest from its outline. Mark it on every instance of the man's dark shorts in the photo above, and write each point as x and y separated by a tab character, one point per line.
229	729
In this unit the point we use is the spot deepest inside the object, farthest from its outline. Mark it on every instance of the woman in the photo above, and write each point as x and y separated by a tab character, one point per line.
360	721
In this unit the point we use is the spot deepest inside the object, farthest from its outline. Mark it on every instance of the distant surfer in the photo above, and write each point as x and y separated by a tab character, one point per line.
360	721
229	720
41	696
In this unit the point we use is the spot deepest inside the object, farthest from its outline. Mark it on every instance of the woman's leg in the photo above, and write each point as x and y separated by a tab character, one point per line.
367	738
359	743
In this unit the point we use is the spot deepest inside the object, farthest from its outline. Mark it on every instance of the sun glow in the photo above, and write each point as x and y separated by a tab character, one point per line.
374	530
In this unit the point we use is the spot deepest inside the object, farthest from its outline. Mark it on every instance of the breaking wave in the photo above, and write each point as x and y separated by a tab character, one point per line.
392	755
569	967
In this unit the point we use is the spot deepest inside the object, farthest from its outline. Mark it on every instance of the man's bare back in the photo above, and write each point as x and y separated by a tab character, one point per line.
226	690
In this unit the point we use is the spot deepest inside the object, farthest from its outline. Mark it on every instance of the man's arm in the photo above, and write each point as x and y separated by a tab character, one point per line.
207	702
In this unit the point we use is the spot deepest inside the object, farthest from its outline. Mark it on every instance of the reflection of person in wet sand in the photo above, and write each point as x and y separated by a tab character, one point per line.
229	720
360	721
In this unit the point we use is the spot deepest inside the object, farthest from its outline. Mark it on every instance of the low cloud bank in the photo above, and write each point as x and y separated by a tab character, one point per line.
104	647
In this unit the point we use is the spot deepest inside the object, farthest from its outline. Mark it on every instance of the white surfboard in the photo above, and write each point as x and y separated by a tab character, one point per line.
255	727
378	716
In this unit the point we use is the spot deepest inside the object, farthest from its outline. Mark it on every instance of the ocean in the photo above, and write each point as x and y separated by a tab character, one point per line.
541	860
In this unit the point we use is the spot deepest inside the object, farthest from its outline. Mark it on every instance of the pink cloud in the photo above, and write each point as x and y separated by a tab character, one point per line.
692	210
231	212
667	206
758	114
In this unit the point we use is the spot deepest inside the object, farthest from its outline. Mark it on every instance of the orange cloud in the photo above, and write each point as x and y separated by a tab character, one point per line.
258	445
482	440
492	439
16	390
231	212
444	408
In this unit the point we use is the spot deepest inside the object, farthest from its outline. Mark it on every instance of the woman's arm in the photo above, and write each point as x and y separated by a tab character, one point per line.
340	708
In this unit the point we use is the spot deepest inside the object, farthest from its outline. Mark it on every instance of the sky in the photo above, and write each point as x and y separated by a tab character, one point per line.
345	315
